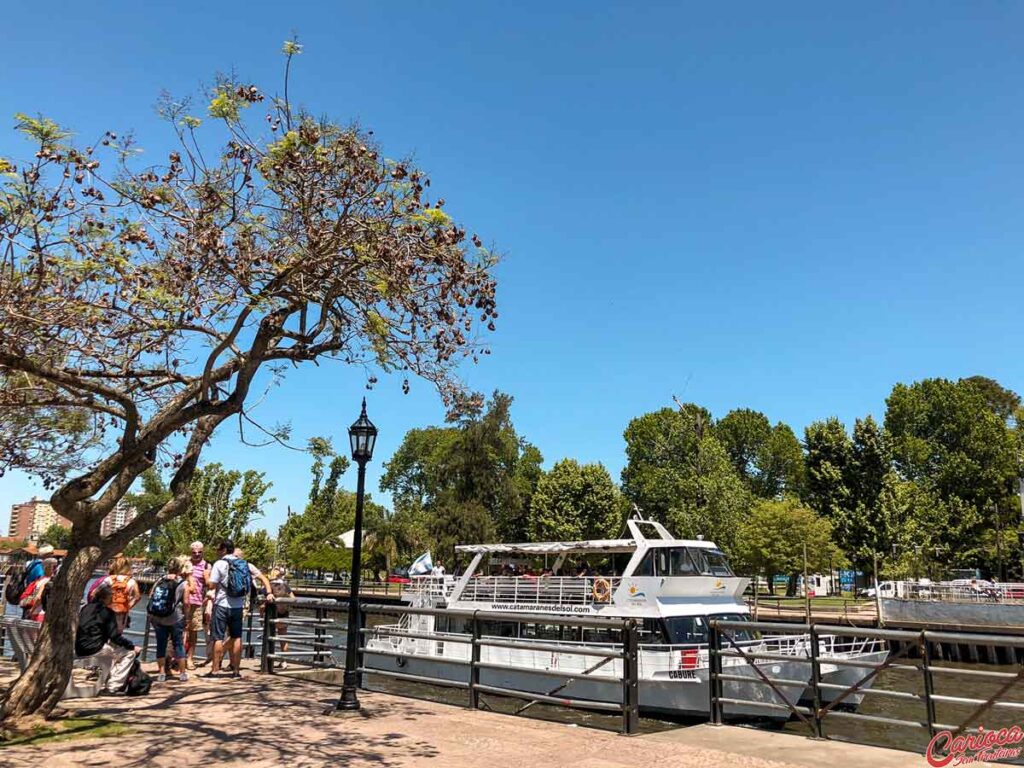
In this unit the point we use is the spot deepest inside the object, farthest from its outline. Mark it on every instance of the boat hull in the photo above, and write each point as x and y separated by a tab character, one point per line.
846	677
661	696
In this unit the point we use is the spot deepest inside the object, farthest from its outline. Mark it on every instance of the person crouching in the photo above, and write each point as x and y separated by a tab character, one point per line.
100	640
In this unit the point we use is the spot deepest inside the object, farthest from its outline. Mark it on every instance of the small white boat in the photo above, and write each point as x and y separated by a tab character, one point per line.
671	587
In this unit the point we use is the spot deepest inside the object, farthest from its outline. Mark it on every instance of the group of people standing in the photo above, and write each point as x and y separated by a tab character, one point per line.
193	596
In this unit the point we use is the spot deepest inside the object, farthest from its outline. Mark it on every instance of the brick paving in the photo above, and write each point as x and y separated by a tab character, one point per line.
276	721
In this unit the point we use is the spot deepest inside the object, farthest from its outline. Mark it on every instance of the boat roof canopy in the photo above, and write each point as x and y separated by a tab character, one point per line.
552	547
607	546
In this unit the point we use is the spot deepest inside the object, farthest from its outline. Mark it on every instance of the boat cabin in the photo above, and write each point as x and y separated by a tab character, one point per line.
670	585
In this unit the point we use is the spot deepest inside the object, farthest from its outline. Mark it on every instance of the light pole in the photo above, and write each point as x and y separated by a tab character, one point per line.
362	435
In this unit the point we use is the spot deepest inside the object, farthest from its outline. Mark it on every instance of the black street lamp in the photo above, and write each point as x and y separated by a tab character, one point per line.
362	436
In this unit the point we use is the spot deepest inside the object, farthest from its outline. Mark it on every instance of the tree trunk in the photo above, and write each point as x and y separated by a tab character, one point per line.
791	586
40	687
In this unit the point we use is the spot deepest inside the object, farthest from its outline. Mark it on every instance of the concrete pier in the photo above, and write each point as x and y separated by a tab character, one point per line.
263	721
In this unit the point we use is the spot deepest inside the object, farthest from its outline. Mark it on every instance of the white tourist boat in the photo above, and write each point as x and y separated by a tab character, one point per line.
671	587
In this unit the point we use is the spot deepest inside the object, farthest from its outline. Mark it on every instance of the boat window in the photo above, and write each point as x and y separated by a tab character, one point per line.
711	562
740	635
596	635
646	566
541	631
650	632
686	630
498	628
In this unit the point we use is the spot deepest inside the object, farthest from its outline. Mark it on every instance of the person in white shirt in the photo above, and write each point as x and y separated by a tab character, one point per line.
226	627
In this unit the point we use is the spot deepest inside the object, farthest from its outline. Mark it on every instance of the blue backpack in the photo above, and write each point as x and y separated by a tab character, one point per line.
239	580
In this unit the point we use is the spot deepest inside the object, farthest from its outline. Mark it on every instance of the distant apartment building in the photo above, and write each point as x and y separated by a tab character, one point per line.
121	515
30	519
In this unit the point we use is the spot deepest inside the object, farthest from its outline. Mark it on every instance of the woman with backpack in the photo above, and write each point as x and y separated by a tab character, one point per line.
125	590
166	611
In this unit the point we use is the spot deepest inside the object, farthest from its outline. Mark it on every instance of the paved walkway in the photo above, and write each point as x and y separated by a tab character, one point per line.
263	721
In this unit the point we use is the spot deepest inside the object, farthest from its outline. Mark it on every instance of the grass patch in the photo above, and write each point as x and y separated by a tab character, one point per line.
66	730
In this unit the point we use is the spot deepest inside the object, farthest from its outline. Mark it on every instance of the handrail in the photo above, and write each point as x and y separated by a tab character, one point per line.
919	641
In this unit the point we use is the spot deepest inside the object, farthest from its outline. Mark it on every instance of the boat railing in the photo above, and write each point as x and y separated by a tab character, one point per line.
976	592
431	586
541	590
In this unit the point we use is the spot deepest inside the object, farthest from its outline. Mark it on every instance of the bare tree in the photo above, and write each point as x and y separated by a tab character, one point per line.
142	306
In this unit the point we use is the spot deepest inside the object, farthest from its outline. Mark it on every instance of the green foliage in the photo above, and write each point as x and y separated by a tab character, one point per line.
223	503
42	130
574	502
769	459
947	434
829	453
479	474
57	536
311	540
771	540
678	473
258	548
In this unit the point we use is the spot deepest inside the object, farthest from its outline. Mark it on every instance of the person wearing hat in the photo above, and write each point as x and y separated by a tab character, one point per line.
34	569
33	599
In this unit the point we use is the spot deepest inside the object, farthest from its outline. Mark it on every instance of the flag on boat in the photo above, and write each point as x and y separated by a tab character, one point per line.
422	565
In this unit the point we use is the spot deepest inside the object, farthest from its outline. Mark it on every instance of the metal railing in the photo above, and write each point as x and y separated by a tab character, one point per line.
979	592
252	637
319	650
913	655
553	590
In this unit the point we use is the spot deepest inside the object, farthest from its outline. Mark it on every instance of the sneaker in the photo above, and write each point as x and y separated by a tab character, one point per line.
183	677
161	678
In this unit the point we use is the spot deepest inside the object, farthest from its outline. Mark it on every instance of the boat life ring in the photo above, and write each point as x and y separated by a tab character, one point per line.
602	590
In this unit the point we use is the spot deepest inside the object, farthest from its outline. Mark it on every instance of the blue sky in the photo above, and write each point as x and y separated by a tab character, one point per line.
787	207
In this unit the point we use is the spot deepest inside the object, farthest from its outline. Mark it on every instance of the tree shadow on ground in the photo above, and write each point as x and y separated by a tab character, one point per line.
256	721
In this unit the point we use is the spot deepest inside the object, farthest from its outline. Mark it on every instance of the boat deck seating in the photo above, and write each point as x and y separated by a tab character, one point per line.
22	635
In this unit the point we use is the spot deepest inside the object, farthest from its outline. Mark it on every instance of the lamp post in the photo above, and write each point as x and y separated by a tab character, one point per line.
362	435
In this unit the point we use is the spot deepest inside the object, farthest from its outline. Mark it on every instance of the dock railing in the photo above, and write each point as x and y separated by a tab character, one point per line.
912	653
329	616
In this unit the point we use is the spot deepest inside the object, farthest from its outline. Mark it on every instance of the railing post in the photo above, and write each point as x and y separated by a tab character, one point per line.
815	681
145	641
250	652
630	679
929	685
361	642
714	670
474	661
318	635
267	646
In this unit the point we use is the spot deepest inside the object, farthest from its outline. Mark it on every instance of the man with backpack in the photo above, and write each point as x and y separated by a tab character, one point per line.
231	578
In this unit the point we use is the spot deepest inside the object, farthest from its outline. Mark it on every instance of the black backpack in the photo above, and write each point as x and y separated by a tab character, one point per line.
161	599
138	682
16	584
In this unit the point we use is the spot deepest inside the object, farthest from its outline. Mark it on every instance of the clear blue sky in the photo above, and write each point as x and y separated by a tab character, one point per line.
787	207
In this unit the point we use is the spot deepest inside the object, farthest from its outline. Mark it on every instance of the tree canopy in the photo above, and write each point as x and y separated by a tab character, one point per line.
575	501
470	481
145	296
